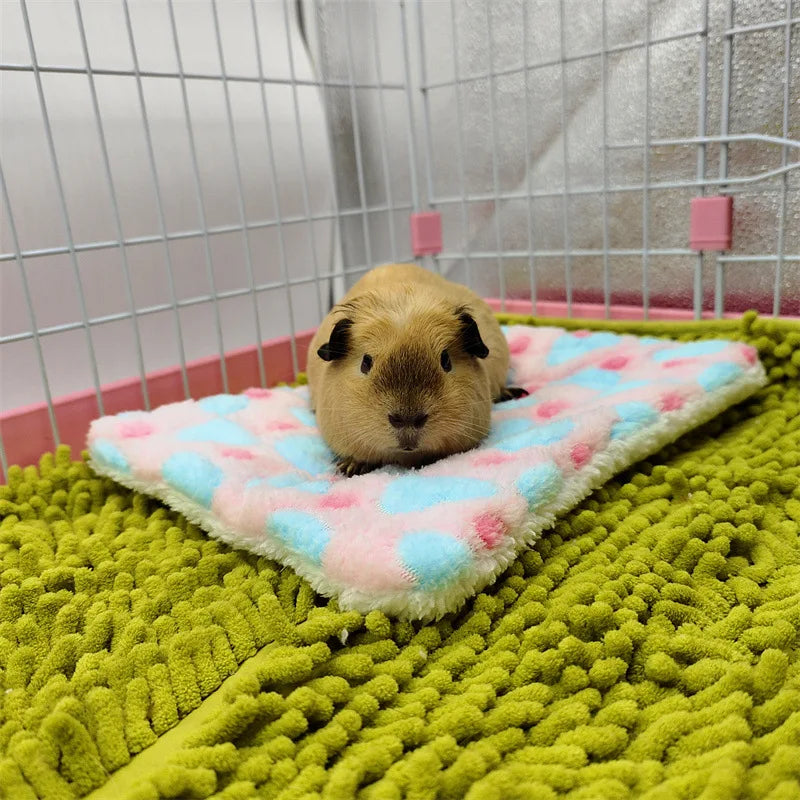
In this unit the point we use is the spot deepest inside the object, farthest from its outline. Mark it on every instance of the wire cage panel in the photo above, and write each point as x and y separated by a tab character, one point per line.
185	188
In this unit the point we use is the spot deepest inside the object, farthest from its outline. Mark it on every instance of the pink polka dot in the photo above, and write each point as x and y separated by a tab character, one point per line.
580	454
490	459
133	430
582	334
676	362
338	501
257	391
749	354
671	402
281	425
615	362
239	453
490	528
518	345
551	408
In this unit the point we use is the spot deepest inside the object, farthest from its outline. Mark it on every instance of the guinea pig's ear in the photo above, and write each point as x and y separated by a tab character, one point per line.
471	337
337	346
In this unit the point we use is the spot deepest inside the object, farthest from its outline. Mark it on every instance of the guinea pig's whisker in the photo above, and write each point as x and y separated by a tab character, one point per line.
462	427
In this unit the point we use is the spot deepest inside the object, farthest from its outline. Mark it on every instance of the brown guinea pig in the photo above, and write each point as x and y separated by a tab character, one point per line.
405	369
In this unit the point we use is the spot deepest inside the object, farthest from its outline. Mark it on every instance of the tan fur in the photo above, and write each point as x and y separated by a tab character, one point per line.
403	317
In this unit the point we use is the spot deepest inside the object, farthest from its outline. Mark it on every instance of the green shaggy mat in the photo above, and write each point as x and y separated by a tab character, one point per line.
646	647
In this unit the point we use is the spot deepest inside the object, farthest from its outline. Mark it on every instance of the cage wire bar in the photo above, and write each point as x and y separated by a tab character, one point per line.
562	42
62	202
528	172
101	138
787	68
162	222
604	156
237	172
416	89
387	181
461	147
201	206
279	220
702	105
426	115
727	63
304	185
495	170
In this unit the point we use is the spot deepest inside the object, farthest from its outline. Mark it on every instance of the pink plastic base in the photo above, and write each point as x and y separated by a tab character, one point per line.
557	308
711	223
27	433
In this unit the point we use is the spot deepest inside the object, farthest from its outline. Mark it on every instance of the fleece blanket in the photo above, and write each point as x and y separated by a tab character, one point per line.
252	469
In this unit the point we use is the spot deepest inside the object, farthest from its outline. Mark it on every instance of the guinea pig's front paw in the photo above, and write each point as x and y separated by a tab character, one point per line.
350	467
511	393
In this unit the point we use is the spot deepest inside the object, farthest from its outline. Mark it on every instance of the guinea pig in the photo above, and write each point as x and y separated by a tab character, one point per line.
405	370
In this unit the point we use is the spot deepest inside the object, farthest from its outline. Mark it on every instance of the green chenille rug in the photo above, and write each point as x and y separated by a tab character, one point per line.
647	647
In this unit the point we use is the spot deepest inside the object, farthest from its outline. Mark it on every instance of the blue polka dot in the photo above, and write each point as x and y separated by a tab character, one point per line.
567	347
308	453
626	387
633	417
650	340
520	402
281	481
109	454
433	558
692	350
718	375
540	484
223	403
220	431
193	475
503	428
415	493
301	532
538	436
305	417
593	378
505	329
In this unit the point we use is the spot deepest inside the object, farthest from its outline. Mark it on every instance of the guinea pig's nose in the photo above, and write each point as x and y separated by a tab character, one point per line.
412	420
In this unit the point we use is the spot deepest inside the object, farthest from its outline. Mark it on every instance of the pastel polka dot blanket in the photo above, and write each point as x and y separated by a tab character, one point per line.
253	471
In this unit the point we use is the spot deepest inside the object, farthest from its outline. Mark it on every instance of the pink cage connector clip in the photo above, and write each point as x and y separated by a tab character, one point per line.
426	233
711	223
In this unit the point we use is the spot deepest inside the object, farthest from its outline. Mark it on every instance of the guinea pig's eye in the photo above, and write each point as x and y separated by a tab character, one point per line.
446	363
366	364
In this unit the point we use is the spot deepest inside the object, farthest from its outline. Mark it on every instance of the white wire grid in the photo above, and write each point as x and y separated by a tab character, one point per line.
409	176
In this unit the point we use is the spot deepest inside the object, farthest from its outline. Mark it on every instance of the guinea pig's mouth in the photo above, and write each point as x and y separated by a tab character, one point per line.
408	440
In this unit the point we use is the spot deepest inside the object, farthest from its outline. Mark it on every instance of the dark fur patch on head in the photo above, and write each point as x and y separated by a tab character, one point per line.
470	335
339	343
408	370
